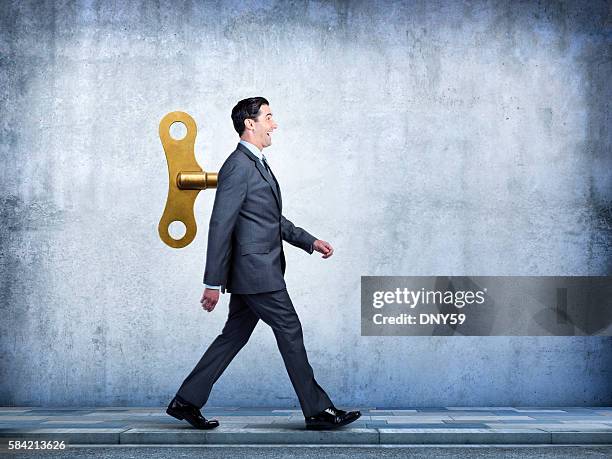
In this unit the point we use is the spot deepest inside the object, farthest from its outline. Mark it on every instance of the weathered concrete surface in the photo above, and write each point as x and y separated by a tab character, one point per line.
419	138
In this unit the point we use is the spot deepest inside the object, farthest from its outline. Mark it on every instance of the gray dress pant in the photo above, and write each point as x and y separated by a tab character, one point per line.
275	309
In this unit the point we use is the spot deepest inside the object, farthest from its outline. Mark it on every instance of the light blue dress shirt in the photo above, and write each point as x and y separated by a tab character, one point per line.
253	149
257	152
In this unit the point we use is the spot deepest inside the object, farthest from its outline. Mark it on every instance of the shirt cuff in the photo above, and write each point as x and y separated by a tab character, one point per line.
213	287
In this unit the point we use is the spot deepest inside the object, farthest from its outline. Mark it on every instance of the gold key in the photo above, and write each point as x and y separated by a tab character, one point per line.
185	179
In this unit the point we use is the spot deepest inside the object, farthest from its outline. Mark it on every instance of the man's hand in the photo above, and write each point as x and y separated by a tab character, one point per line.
209	300
323	247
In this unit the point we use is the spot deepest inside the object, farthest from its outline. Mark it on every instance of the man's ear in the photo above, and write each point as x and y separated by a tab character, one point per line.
248	124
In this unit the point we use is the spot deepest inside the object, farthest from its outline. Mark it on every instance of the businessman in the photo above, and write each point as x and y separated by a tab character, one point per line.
245	258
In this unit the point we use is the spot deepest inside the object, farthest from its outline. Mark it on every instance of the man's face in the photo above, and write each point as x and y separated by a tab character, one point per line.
262	127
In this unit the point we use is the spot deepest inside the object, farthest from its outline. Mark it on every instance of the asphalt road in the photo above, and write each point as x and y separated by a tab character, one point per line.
318	452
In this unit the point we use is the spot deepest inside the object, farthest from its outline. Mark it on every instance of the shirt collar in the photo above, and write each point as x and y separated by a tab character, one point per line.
252	148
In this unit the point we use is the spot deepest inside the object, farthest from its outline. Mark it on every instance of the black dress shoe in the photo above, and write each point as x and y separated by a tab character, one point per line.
331	418
191	414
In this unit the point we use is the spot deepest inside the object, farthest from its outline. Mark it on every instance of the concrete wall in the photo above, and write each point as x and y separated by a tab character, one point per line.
419	138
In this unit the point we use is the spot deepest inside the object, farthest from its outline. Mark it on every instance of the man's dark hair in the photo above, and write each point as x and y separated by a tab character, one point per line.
246	109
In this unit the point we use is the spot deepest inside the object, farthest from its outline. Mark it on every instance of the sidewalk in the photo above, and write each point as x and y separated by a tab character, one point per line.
453	425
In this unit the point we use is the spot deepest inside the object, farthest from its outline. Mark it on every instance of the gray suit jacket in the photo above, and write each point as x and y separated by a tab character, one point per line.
245	249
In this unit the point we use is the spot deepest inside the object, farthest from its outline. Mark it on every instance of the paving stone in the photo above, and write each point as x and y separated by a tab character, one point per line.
107	408
550	427
541	411
415	418
482	408
393	422
428	410
12	426
442	425
24	418
590	418
567	409
521	421
241	414
71	421
465	424
387	410
56	413
584	421
486	417
466	413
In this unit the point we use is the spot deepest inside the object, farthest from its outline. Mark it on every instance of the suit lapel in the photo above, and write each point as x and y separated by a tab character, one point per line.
262	170
280	198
